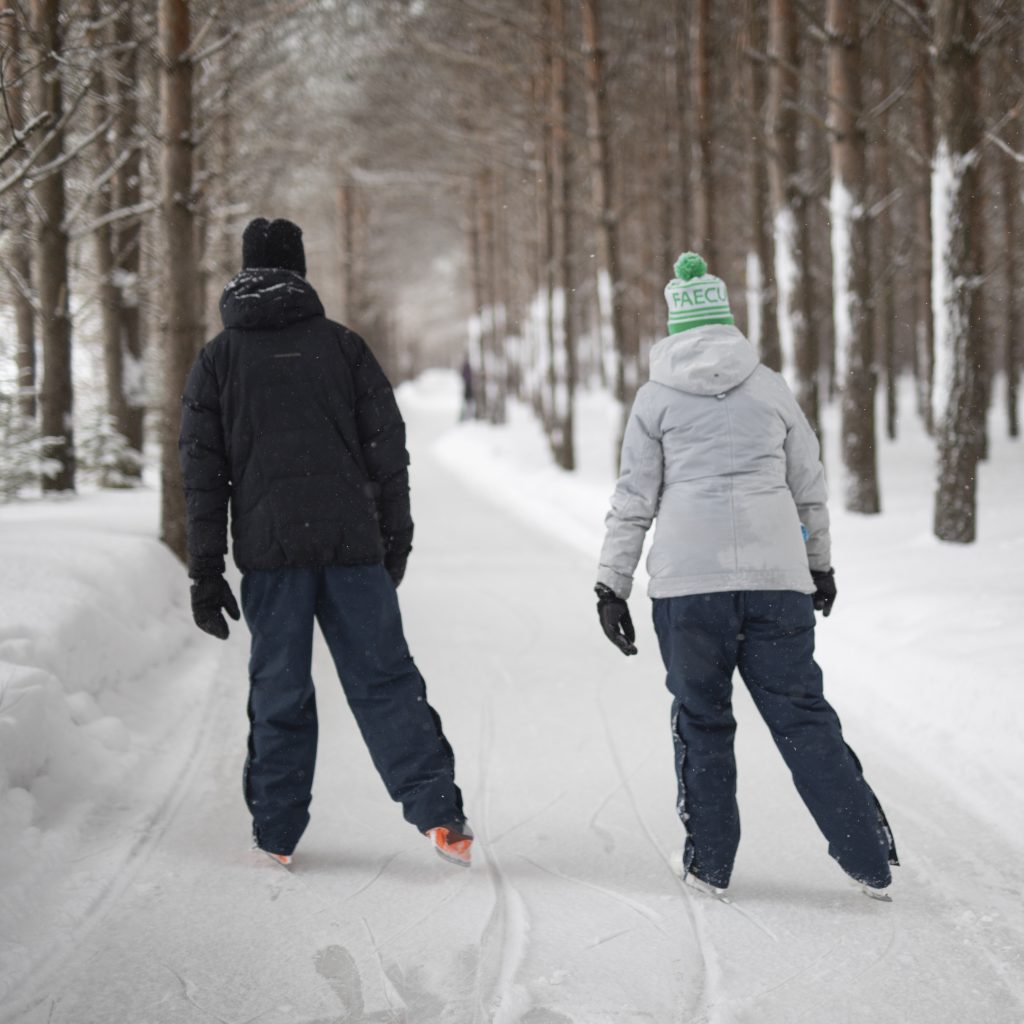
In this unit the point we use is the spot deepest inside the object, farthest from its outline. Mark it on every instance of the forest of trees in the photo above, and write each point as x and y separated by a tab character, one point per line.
513	180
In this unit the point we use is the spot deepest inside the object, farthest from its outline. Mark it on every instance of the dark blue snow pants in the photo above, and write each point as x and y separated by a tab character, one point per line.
357	609
769	636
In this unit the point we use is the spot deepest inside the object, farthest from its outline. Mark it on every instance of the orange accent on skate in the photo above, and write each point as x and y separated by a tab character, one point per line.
457	850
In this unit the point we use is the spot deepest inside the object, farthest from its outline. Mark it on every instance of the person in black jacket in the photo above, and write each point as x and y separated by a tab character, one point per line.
288	419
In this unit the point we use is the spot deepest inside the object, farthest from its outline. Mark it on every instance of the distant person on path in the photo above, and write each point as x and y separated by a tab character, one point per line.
288	419
468	399
718	451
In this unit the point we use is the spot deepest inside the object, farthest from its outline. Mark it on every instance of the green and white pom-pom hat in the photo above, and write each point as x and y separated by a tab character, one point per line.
695	297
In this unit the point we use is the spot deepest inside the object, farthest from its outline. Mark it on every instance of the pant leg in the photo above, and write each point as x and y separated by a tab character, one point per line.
357	608
279	606
777	663
697	636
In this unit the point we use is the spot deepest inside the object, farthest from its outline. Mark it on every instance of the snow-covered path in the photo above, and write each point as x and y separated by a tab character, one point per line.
570	913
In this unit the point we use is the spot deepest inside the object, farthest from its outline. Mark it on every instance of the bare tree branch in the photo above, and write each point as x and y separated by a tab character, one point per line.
115	216
20	137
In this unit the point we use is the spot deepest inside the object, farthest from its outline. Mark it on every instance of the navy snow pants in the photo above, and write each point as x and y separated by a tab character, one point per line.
357	609
769	636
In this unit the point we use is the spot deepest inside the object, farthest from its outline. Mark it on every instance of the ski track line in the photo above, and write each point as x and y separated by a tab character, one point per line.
434	907
525	821
709	972
509	922
386	984
606	834
751	1001
638	907
805	1014
152	831
926	872
187	989
610	938
384	865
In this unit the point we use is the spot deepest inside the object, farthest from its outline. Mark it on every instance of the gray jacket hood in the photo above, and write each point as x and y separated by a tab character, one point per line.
706	360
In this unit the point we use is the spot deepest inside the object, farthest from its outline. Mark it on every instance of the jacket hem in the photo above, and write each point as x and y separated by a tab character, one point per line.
716	583
312	564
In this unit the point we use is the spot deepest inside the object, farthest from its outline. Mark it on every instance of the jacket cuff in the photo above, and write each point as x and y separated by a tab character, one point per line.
205	565
615	581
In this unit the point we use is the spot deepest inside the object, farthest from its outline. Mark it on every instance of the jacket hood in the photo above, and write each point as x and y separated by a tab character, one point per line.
268	297
703	361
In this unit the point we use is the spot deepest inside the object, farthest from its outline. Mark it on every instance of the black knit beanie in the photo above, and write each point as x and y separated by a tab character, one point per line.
276	243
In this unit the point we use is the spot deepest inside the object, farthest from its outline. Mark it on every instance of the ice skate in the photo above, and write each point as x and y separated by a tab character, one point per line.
452	843
690	879
883	895
284	859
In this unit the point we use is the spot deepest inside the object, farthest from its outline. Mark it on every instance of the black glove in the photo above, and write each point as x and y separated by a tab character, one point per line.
613	612
395	565
210	594
825	590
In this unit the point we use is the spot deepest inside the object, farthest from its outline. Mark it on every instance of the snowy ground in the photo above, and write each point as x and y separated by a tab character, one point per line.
127	893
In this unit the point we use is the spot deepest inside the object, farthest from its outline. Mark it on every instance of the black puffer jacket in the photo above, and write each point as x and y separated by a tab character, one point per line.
289	418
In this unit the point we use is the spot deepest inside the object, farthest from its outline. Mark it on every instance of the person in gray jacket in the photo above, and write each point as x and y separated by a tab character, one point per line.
717	450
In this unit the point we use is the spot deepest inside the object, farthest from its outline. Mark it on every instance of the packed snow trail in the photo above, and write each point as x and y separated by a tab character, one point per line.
570	914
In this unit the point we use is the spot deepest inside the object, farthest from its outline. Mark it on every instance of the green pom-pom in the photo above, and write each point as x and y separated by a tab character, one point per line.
690	265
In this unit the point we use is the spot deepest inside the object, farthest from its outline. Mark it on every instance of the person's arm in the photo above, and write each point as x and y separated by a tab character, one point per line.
805	477
382	439
204	468
635	501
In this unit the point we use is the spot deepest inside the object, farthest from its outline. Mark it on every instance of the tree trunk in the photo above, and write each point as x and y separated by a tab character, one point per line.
57	394
1013	193
182	291
489	377
791	228
609	282
477	356
19	246
129	407
201	226
924	140
495	331
104	237
762	315
851	258
885	277
682	193
543	308
703	180
563	377
345	207
956	268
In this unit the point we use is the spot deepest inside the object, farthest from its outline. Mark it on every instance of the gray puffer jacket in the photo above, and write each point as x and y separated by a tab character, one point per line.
719	451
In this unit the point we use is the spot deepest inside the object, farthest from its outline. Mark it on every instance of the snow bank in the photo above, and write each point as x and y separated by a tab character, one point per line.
925	641
90	607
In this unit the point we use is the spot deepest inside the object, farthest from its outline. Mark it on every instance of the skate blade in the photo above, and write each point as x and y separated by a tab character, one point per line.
457	852
879	895
284	859
452	859
691	881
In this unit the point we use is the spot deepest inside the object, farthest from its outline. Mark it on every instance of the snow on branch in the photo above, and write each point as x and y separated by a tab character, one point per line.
215	48
55	129
55	165
1008	150
125	213
20	136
